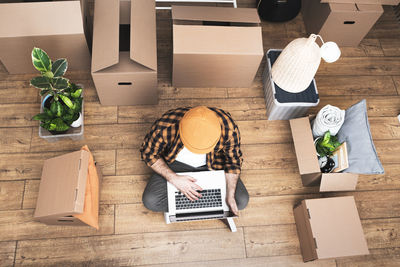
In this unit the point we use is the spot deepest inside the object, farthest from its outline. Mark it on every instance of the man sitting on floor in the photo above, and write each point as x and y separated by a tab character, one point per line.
188	140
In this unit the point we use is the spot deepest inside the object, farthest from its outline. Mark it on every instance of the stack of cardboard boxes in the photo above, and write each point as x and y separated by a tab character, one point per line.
345	22
59	27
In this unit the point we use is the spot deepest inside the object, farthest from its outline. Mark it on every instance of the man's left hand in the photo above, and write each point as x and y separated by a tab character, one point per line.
232	205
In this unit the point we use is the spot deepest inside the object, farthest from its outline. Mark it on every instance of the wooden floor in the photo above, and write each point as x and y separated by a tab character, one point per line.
131	235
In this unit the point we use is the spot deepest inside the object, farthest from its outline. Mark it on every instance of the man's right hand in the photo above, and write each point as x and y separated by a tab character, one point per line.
186	184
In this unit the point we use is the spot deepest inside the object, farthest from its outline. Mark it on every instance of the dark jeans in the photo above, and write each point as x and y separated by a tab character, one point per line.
155	196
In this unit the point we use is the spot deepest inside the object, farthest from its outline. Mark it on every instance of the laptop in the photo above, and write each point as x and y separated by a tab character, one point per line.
211	205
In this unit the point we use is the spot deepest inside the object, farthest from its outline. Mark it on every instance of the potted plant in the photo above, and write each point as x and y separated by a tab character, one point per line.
326	144
62	100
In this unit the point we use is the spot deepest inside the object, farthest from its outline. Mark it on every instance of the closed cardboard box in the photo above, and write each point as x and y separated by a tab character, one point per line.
62	189
124	53
329	228
215	46
343	23
373	2
57	27
307	161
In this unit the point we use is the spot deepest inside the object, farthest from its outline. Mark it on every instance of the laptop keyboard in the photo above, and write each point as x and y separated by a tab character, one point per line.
210	198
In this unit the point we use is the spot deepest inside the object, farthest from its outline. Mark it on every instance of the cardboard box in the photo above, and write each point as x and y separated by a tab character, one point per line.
215	46
344	23
373	2
57	27
124	53
62	189
329	228
307	161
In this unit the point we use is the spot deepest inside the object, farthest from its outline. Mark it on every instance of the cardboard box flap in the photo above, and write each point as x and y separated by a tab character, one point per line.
304	232
105	50
23	19
371	2
336	227
304	146
219	14
208	40
143	33
338	182
62	185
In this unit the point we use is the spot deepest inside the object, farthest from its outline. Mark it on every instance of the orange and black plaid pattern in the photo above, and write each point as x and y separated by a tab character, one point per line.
163	141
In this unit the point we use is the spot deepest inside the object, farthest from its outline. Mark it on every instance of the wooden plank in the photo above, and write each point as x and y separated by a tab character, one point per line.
372	47
169	92
333	85
256	90
30	194
375	204
382	233
264	132
388	180
377	257
391	47
99	114
251	109
361	66
123	189
276	240
291	260
98	137
15	139
11	195
19	225
273	240
17	92
128	162
377	106
18	115
29	165
7	251
388	151
396	80
135	249
264	156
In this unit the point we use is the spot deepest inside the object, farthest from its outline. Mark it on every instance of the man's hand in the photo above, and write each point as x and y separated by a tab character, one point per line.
186	184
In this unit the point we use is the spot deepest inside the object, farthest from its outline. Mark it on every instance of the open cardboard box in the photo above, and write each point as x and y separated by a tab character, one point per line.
57	27
124	52
345	22
215	46
62	189
329	228
307	161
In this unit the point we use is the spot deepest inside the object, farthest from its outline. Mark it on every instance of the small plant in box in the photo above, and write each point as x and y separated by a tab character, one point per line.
326	144
62	102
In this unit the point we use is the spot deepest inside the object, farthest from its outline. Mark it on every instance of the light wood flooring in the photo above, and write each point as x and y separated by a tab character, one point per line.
131	235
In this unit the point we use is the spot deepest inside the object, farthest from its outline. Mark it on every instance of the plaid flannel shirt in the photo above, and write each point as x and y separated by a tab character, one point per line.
163	141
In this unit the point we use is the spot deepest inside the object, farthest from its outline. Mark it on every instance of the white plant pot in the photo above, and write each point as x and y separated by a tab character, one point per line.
78	122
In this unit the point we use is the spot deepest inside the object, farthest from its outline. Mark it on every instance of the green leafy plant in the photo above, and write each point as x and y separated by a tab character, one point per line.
327	144
65	97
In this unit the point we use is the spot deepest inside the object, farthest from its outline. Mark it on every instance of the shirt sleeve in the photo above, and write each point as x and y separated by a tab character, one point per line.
233	154
153	145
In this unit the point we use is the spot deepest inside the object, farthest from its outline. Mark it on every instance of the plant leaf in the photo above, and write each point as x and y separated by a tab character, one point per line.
66	101
41	82
43	92
77	93
41	60
41	117
57	108
59	67
60	125
60	83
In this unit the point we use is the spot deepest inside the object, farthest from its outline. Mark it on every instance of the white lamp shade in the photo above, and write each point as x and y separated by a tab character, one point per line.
296	66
